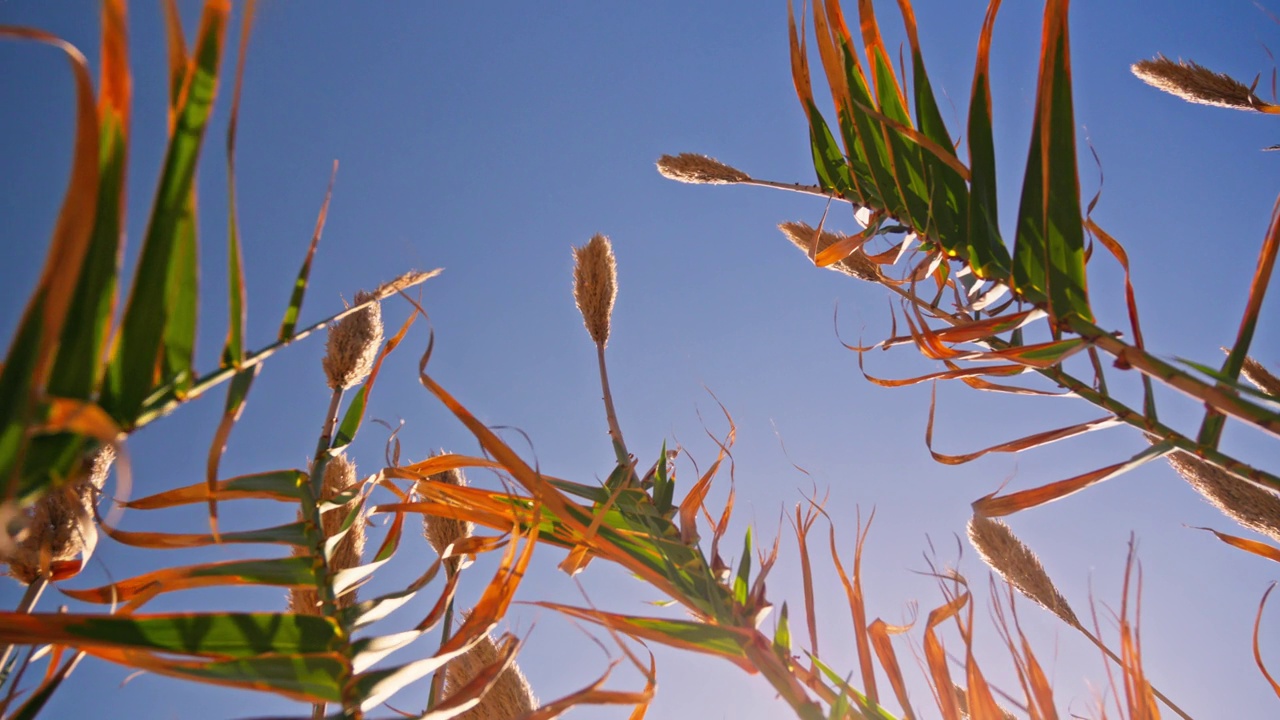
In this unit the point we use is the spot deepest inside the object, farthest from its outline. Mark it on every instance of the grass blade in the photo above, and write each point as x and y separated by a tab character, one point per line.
155	312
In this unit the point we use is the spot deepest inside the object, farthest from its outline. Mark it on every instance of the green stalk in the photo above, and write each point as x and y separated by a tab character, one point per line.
1122	412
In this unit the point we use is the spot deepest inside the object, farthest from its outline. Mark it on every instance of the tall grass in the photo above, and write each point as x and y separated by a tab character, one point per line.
69	399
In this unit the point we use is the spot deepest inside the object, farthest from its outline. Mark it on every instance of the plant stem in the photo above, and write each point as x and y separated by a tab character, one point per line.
615	430
28	602
1107	651
1213	397
1121	411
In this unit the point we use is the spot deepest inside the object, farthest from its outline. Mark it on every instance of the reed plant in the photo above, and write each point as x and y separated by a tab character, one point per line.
69	399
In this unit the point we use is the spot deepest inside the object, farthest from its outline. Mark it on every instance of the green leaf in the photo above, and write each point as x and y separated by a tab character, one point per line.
904	156
206	635
301	677
150	318
872	709
182	299
294	308
1048	256
78	369
351	419
281	572
742	582
291	534
828	161
283	485
782	637
988	255
867	132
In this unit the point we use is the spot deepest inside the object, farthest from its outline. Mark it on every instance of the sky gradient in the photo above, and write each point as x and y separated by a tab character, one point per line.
488	139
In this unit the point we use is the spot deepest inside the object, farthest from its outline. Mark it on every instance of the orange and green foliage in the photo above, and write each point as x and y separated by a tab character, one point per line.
79	377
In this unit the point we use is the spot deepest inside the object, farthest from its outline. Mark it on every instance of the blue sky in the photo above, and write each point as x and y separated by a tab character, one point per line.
489	138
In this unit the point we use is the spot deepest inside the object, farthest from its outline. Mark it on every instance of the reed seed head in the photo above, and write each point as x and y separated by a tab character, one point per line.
595	285
1197	84
1012	560
353	344
509	698
1257	374
61	522
1249	505
442	532
699	170
339	477
856	264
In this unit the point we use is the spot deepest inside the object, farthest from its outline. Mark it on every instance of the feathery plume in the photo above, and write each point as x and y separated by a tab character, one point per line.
1198	84
61	523
442	532
1249	505
353	345
1256	373
339	477
509	698
857	264
1003	552
699	170
595	285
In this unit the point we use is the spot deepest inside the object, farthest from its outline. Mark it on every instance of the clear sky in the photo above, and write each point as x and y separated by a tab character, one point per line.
487	138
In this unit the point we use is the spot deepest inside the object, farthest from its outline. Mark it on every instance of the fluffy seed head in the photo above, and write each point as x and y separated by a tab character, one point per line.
1257	374
442	532
699	170
595	285
61	523
1003	552
353	345
510	697
1197	84
1247	504
339	477
857	264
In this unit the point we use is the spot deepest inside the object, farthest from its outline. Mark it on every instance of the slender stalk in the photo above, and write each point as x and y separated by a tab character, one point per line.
1214	397
615	430
1107	651
311	514
437	680
25	605
163	400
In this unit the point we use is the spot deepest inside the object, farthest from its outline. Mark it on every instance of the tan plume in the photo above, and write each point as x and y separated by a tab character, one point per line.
442	532
595	285
339	478
1197	84
699	170
61	523
353	344
1004	553
1249	505
509	698
1256	373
